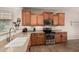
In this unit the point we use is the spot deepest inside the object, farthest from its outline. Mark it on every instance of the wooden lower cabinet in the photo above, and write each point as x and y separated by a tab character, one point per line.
37	39
61	37
64	37
34	38
28	47
41	39
58	37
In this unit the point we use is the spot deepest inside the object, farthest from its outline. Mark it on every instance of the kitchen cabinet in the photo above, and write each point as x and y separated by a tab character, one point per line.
28	47
34	38
64	37
58	18
48	15
41	39
29	19
61	18
40	19
58	38
51	15
33	19
37	39
55	20
61	37
26	15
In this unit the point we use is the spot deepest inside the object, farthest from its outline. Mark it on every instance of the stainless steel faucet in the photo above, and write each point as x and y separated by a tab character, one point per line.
10	31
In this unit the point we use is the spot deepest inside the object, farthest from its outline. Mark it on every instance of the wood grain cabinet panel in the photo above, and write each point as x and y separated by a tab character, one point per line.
55	20
33	19
51	15
40	19
26	15
41	39
58	38
37	39
46	15
64	37
34	38
23	19
61	17
61	37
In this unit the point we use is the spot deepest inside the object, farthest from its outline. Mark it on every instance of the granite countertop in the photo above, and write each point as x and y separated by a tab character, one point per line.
19	44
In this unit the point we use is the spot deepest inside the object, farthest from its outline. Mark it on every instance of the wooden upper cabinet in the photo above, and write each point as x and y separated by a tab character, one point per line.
37	19
26	15
23	19
33	19
51	15
40	19
55	20
61	17
46	15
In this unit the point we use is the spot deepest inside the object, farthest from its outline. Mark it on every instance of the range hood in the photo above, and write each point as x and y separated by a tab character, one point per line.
48	22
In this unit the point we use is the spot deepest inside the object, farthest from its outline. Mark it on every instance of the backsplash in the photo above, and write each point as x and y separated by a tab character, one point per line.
4	25
38	28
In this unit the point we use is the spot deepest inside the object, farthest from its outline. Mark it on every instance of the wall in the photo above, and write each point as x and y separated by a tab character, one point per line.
15	11
71	14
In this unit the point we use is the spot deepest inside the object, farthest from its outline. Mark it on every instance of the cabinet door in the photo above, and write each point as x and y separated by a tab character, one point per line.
23	19
55	20
58	38
51	15
40	19
33	19
26	17
64	36
61	18
34	38
46	15
41	39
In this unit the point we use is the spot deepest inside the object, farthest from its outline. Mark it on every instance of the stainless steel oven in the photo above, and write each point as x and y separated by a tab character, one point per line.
49	36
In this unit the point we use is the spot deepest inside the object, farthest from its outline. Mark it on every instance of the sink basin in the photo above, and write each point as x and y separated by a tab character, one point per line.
17	42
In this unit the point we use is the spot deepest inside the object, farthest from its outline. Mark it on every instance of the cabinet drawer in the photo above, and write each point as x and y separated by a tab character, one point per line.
33	34
41	34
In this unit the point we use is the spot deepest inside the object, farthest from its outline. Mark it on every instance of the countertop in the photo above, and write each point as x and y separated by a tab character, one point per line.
19	44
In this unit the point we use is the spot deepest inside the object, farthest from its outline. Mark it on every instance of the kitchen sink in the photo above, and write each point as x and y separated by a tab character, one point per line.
17	42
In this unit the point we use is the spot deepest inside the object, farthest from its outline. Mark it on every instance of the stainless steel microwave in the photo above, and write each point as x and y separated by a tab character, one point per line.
48	22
